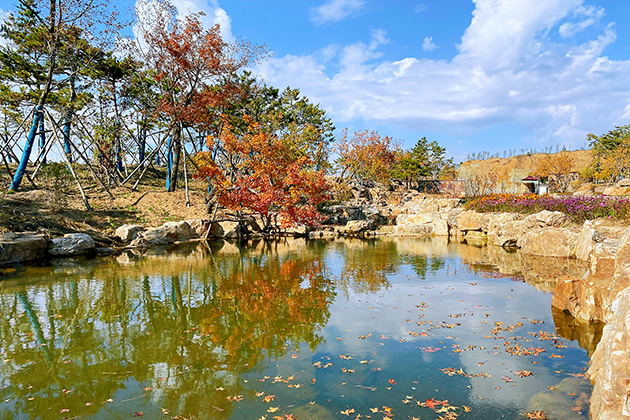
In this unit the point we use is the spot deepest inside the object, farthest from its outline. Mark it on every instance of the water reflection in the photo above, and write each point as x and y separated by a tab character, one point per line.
189	329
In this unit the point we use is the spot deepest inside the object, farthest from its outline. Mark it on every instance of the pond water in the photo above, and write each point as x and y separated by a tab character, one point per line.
385	328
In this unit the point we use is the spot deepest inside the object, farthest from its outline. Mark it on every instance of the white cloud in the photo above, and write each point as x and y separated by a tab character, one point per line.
588	15
212	15
427	44
420	7
336	10
508	69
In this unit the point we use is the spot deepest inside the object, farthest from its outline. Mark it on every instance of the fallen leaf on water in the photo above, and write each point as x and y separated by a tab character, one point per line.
540	415
268	398
272	409
348	411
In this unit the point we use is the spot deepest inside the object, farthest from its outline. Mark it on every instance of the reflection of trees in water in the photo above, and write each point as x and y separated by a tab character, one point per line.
75	341
424	265
367	263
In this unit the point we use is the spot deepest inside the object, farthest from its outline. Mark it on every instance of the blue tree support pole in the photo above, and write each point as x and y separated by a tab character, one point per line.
169	163
28	147
42	139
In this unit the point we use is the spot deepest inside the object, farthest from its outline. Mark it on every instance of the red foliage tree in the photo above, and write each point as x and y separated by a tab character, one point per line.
188	62
266	172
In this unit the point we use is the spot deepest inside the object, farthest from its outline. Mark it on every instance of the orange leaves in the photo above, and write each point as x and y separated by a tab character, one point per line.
539	415
265	172
186	59
366	155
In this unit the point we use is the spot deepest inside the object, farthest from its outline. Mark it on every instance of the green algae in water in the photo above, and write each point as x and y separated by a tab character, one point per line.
292	329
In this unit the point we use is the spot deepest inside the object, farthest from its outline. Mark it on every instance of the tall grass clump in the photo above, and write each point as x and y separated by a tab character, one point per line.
577	208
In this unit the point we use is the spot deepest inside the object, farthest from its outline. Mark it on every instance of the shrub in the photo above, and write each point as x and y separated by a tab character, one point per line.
577	208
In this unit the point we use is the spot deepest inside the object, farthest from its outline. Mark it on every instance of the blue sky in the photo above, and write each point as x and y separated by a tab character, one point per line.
474	75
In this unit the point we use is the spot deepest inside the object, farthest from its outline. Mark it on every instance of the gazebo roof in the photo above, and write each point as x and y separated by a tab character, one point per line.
531	178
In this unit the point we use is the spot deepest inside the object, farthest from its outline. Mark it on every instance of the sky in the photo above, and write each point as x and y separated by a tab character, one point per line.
482	75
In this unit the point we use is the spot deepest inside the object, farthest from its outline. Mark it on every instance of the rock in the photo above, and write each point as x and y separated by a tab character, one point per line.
323	234
357	226
621	278
200	226
616	191
502	231
374	215
299	231
414	219
585	241
586	189
353	213
624	183
166	234
360	192
580	297
225	229
21	247
470	220
475	237
546	218
71	244
127	233
440	228
610	365
590	297
549	242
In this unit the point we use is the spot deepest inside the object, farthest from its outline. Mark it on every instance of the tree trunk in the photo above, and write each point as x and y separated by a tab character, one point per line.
68	120
39	114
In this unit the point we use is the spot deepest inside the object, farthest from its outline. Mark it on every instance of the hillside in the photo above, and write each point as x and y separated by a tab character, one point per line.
513	169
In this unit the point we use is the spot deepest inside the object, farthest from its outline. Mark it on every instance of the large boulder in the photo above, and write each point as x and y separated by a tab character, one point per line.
471	220
225	229
127	233
590	297
357	226
200	226
168	233
71	244
21	247
616	191
581	297
610	365
505	229
550	242
585	241
546	218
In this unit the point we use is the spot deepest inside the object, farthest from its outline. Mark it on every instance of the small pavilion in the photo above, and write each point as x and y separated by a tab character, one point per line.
533	184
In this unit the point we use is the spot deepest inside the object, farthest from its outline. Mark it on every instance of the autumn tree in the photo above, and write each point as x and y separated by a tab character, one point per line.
188	60
365	155
611	155
284	109
265	172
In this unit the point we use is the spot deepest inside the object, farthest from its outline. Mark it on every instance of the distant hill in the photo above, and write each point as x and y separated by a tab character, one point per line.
513	169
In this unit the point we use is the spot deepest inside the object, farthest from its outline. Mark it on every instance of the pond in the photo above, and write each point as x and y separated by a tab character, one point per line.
293	329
